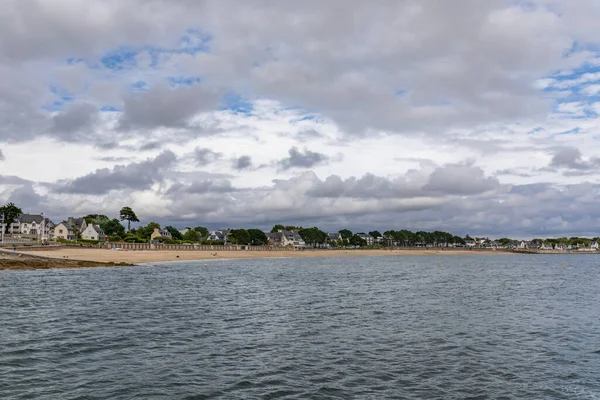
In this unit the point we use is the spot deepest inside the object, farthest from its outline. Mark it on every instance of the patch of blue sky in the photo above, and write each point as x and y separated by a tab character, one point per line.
63	97
175	81
110	109
139	86
401	92
194	41
236	103
536	130
120	59
570	131
308	117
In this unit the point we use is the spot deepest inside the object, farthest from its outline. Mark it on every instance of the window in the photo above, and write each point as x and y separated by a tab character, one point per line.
60	231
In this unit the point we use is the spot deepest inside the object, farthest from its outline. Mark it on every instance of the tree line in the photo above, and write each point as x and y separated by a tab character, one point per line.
313	237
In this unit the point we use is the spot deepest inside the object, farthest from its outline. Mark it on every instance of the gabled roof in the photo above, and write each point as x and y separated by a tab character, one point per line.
97	229
292	235
30	218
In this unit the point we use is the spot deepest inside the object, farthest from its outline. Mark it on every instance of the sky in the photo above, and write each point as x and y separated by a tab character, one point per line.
473	117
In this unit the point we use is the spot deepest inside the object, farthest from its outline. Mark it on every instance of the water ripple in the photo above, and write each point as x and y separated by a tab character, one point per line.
479	328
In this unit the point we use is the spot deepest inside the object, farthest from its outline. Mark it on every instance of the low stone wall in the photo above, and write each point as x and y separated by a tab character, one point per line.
190	247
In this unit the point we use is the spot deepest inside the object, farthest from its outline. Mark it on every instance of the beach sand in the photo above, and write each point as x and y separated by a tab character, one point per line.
146	256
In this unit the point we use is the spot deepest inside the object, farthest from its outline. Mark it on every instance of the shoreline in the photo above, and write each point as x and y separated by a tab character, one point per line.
83	257
73	257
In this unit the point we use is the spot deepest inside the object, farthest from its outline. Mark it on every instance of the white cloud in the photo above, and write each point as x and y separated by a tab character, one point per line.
317	94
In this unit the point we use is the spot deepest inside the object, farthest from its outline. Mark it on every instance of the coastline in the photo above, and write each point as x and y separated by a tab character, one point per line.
22	261
73	257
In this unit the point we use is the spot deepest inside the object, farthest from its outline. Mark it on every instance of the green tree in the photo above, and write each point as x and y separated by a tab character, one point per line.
504	241
146	231
357	241
10	212
95	218
313	236
112	227
257	237
175	234
240	236
345	233
468	238
277	228
192	235
375	234
127	214
202	231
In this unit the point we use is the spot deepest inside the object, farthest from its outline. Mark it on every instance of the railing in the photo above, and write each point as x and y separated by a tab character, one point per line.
191	247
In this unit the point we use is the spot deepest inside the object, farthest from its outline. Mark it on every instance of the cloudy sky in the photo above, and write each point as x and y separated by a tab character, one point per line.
467	116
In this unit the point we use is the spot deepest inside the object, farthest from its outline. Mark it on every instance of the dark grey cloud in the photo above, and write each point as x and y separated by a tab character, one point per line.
76	120
152	145
203	156
134	176
219	186
2	158
513	172
302	159
241	163
164	106
13	180
571	158
449	180
460	180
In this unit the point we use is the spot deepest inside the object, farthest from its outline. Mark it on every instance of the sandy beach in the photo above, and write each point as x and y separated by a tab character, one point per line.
146	256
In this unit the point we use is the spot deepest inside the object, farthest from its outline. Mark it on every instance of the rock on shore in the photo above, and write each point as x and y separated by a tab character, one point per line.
18	261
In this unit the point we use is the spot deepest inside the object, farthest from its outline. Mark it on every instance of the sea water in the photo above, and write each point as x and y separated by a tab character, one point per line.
502	326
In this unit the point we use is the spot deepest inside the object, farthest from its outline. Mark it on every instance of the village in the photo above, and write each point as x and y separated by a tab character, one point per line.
99	230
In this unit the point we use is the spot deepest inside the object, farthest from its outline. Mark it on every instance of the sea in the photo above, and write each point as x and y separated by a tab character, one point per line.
422	327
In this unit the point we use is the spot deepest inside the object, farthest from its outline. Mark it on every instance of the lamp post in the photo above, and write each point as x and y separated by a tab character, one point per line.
42	228
2	225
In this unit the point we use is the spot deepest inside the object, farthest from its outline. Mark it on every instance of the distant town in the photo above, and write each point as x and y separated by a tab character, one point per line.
95	229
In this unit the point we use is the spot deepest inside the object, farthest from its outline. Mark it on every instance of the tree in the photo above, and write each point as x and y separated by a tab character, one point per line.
145	231
240	236
375	234
468	237
191	235
345	233
127	214
95	218
112	227
313	236
10	212
202	231
504	241
257	237
175	234
357	241
277	228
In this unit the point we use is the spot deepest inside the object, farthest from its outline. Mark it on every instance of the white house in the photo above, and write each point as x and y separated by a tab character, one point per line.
31	224
594	246
70	229
93	232
219	235
286	238
367	238
546	246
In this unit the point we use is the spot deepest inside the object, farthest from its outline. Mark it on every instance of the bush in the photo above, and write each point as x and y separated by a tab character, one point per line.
134	239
